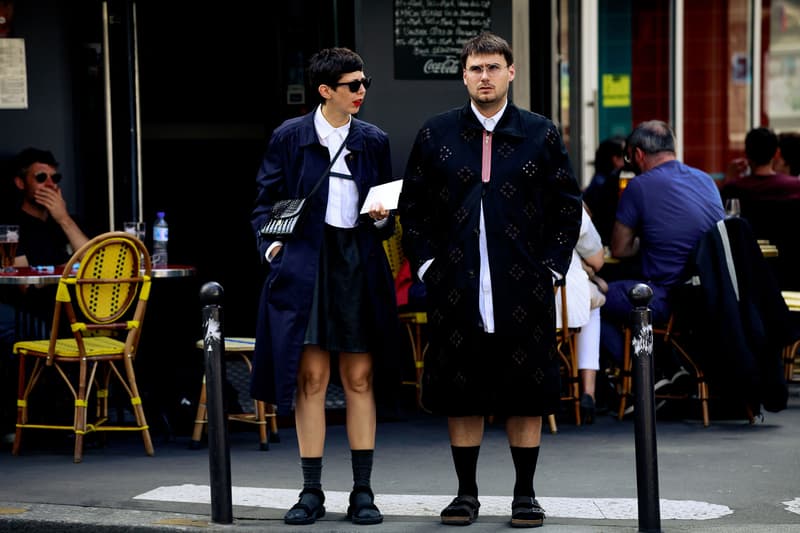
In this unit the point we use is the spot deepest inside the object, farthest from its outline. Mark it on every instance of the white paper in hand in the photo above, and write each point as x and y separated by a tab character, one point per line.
386	194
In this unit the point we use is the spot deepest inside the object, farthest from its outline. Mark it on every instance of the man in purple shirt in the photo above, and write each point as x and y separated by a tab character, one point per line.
662	214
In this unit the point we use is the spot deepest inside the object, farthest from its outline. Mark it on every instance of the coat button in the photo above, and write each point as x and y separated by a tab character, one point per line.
471	274
476	231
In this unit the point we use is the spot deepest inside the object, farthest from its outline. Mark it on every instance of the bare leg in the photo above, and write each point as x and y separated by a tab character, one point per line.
465	430
313	376
356	373
524	431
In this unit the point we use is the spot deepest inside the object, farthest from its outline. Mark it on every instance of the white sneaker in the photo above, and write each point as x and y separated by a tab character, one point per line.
682	382
659	405
662	384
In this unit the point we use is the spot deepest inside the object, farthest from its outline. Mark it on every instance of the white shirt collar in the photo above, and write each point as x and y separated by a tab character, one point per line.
496	117
324	128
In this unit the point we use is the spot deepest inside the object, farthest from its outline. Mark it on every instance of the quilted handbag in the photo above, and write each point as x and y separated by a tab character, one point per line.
287	215
285	218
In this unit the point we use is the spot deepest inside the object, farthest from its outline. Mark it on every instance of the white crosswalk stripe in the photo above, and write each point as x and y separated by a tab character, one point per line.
431	505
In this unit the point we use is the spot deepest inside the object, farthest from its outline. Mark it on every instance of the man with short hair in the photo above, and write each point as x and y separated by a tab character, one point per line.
769	200
662	214
491	212
763	183
47	236
48	233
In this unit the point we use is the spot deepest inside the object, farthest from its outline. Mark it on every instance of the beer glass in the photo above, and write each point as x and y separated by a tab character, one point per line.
9	238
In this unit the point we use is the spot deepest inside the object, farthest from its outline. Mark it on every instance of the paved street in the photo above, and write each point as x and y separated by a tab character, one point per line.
729	477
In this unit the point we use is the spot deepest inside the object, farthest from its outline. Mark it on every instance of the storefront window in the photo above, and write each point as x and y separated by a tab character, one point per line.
782	66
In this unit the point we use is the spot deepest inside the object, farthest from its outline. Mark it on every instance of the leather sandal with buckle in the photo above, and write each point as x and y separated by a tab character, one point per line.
307	509
526	512
362	509
462	511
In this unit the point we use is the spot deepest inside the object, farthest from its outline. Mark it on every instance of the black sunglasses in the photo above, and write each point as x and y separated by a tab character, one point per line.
41	177
355	84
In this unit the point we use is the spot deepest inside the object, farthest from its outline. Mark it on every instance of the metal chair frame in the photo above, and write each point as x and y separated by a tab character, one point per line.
102	295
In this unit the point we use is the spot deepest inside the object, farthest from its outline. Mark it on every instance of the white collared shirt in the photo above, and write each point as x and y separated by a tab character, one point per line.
485	300
342	209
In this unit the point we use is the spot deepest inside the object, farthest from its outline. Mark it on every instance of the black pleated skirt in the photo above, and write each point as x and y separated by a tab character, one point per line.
339	311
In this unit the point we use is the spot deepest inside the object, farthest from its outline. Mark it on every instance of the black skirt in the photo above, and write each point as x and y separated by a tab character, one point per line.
339	311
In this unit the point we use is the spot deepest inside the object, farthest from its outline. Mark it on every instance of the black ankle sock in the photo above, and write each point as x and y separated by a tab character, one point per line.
312	472
525	467
465	460
362	467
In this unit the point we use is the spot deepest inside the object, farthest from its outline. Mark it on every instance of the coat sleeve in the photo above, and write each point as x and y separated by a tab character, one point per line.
563	206
271	186
416	207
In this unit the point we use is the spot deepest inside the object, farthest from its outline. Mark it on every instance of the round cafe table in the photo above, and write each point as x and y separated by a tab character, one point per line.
41	276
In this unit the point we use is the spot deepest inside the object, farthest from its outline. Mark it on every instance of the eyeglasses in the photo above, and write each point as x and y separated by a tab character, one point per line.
492	69
354	85
41	177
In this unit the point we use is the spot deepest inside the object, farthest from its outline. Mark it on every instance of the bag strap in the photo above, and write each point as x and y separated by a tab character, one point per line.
324	174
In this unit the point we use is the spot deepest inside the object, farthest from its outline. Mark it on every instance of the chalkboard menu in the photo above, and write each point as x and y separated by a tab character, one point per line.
429	35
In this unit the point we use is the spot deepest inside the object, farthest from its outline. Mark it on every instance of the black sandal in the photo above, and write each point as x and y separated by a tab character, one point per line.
526	512
362	509
462	511
307	509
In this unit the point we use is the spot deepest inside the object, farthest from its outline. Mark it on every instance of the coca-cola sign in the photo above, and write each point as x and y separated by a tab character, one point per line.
445	66
429	35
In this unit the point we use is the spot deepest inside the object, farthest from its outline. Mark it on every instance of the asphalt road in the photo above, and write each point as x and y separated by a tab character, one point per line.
731	476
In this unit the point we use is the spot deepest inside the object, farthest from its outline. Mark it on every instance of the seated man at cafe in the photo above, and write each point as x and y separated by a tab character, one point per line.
662	214
48	233
762	182
769	201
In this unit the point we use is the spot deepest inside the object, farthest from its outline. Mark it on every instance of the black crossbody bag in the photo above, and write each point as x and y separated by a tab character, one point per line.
287	215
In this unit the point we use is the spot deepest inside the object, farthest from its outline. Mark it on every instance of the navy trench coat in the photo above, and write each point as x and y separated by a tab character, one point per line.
532	212
295	158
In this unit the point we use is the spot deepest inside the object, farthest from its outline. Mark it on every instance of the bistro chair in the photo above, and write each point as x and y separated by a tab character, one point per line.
790	361
568	356
238	350
101	300
669	337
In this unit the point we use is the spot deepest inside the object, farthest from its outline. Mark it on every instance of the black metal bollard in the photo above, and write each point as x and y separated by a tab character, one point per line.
219	454
644	409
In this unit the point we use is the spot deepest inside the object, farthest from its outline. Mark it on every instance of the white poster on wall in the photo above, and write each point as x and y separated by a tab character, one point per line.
784	84
13	76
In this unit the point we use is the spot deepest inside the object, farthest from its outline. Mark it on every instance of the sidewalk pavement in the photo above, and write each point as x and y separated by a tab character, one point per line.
729	477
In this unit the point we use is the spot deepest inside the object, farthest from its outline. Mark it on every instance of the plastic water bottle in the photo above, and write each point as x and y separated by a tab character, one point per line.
160	237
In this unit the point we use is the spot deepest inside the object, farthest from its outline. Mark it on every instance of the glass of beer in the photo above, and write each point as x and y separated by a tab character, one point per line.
9	238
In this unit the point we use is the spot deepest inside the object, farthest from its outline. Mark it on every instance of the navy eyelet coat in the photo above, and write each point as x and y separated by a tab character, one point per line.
295	156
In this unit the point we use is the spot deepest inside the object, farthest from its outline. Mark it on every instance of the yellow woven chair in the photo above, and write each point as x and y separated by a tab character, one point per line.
102	295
